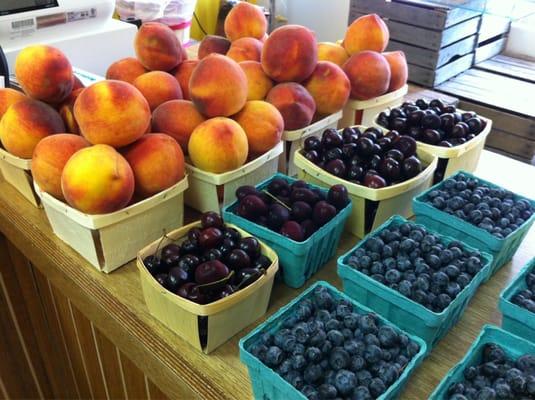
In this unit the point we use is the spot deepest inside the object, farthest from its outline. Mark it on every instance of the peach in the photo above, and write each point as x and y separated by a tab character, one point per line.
158	87
25	123
290	54
157	162
183	75
295	104
76	83
368	32
66	110
245	49
112	112
369	74
50	156
218	86
213	44
126	69
398	68
44	73
97	180
245	20
157	47
178	119
263	125
258	83
218	145
329	86
332	52
8	97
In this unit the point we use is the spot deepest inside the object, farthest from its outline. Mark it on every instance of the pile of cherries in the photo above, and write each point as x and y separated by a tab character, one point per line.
294	210
213	262
368	157
433	122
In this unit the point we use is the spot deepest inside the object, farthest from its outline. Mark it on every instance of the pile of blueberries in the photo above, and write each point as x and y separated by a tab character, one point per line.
526	298
416	263
496	377
496	210
327	350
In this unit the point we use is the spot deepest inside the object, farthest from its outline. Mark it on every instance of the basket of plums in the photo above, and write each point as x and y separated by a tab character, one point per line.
207	280
324	345
382	171
482	214
457	137
498	365
420	280
302	223
517	303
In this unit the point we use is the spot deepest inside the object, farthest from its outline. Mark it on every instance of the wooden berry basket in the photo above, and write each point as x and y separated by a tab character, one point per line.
108	241
204	189
364	112
293	140
17	172
225	317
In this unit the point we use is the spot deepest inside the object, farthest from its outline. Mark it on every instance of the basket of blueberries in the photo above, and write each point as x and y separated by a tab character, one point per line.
517	303
498	365
484	215
414	277
324	345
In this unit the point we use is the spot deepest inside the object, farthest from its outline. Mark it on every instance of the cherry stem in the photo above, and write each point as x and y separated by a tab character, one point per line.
277	200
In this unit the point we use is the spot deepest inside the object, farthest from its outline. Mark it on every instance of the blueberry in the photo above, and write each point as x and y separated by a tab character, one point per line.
361	393
332	324
284	367
443	301
357	364
274	356
348	333
310	392
473	265
326	347
374	244
526	363
288	343
377	268
301	332
388	337
372	354
439	202
370	339
351	321
416	235
393	276
402	360
412	349
258	350
503	391
299	348
493	352
295	379
453	289
327	391
364	377
279	337
470	373
420	297
323	299
367	324
339	359
387	251
298	362
321	316
377	387
336	337
464	279
345	381
440	278
486	393
318	338
313	354
313	373
433	261
405	288
403	264
343	309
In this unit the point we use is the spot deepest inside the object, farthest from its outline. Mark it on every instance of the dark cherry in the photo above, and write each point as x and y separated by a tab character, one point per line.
445	143
320	195
197	296
370	135
312	156
299	184
243	191
449	109
431	136
410	108
238	259
152	263
375	161
374	181
376	149
395	154
193	235
211	219
393	136
185	289
376	131
244	277
406	145
251	246
461	140
470	136
253	206
390	168
232	234
355	173
301	211
323	212
170	249
397	113
382	119
210	271
213	254
430	120
436	110
349	150
338	196
336	167
225	247
189	262
460	130
292	230
437	103
408	103
210	238
475	125
468	115
347	134
226	291
411	167
414	132
175	278
308	228
161	279
458	116
332	154
170	260
302	194
262	262
277	186
385	143
277	216
331	138
415	118
398	124
357	161
189	247
364	147
447	122
312	143
422	103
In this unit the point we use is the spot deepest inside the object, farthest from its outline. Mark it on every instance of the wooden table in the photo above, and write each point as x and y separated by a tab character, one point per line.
70	331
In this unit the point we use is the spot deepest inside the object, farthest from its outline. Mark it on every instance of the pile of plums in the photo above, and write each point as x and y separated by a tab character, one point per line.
496	210
497	376
368	157
327	350
418	264
433	122
294	210
526	298
213	262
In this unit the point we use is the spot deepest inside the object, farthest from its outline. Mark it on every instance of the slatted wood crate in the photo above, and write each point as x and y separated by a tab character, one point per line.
439	40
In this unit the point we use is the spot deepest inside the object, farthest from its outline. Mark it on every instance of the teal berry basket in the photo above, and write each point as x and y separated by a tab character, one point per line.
512	345
516	319
298	260
502	250
268	385
400	310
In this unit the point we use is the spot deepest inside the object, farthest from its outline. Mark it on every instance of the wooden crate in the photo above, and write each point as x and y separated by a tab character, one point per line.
17	172
432	78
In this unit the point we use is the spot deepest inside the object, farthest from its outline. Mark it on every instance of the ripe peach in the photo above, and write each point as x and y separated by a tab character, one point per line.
213	44
183	75
369	74
329	86
25	123
295	104
368	32
263	125
126	69
8	97
157	47
290	54
398	68
258	83
44	73
218	86
178	119
50	156
332	52
112	112
66	110
157	162
245	20
158	87
97	180
245	49
218	145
